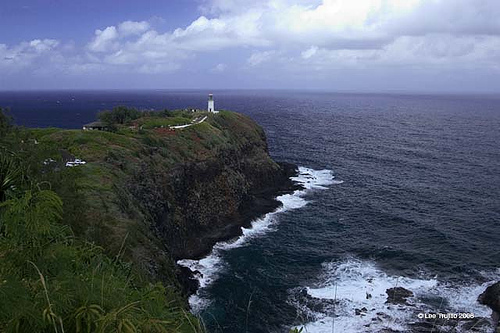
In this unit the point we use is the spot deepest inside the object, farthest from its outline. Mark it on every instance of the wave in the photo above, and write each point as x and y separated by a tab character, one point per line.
206	270
354	293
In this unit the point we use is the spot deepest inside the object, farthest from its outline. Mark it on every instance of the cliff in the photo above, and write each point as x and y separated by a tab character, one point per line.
158	195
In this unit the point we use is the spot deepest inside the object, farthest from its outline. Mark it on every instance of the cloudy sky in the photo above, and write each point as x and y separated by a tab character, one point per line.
339	45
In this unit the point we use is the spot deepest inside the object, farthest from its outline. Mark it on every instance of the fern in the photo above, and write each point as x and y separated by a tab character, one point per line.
11	174
51	281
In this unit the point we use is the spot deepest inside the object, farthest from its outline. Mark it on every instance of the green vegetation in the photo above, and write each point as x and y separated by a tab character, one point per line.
99	204
80	249
5	123
54	277
156	122
122	115
119	115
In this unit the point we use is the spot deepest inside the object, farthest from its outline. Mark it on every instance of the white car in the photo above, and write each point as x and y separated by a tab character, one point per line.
76	162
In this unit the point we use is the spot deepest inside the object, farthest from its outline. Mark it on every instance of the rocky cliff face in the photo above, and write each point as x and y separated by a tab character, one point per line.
197	203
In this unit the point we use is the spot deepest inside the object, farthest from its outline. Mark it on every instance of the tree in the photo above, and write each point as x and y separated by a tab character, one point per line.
5	123
119	115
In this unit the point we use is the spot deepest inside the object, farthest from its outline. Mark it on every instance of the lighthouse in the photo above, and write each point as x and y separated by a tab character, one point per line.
211	107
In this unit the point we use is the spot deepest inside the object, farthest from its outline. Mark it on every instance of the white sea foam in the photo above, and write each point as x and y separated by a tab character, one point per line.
463	298
208	268
355	284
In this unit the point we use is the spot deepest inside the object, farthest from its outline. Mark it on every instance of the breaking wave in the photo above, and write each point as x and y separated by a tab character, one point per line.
351	297
206	270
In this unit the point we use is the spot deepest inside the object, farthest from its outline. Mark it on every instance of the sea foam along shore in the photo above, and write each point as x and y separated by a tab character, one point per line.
354	292
206	269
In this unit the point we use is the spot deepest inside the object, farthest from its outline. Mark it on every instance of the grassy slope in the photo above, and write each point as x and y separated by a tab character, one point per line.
97	208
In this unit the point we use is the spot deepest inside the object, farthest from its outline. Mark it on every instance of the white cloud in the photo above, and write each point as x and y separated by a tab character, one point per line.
360	24
369	32
43	45
104	40
133	28
309	52
258	58
219	68
205	34
136	47
26	54
288	35
435	51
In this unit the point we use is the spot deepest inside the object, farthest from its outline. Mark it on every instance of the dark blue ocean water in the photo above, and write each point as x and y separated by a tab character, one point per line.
418	206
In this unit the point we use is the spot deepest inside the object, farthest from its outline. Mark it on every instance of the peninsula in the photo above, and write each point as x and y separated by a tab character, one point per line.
147	191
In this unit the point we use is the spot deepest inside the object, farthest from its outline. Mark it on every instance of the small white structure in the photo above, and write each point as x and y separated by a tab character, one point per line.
211	105
74	163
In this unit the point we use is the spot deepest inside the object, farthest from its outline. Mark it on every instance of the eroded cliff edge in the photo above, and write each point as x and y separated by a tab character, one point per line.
199	203
157	195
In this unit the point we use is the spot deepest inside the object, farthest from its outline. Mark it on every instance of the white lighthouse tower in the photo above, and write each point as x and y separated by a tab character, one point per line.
211	107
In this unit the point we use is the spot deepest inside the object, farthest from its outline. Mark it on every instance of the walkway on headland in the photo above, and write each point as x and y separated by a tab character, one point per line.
194	122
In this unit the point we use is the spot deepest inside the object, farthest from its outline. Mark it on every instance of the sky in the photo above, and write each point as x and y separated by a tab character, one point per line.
332	45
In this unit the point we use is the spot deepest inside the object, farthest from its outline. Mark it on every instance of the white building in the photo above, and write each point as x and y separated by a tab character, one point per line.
211	105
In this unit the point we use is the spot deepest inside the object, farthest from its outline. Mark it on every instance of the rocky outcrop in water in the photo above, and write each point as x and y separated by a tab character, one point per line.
491	298
398	295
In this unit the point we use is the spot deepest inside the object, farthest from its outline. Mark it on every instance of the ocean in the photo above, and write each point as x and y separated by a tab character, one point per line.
400	190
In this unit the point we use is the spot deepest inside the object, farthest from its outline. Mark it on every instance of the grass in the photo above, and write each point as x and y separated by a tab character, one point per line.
149	123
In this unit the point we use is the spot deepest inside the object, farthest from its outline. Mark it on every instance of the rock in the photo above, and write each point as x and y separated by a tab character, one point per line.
398	295
383	317
491	298
360	312
188	283
477	324
426	326
316	304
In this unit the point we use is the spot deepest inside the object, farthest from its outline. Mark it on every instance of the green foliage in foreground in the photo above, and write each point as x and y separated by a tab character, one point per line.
52	282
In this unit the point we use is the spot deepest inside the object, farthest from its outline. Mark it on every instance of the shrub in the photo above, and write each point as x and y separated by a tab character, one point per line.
119	115
52	282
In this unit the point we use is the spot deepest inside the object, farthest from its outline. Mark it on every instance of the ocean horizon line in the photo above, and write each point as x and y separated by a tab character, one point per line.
302	90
